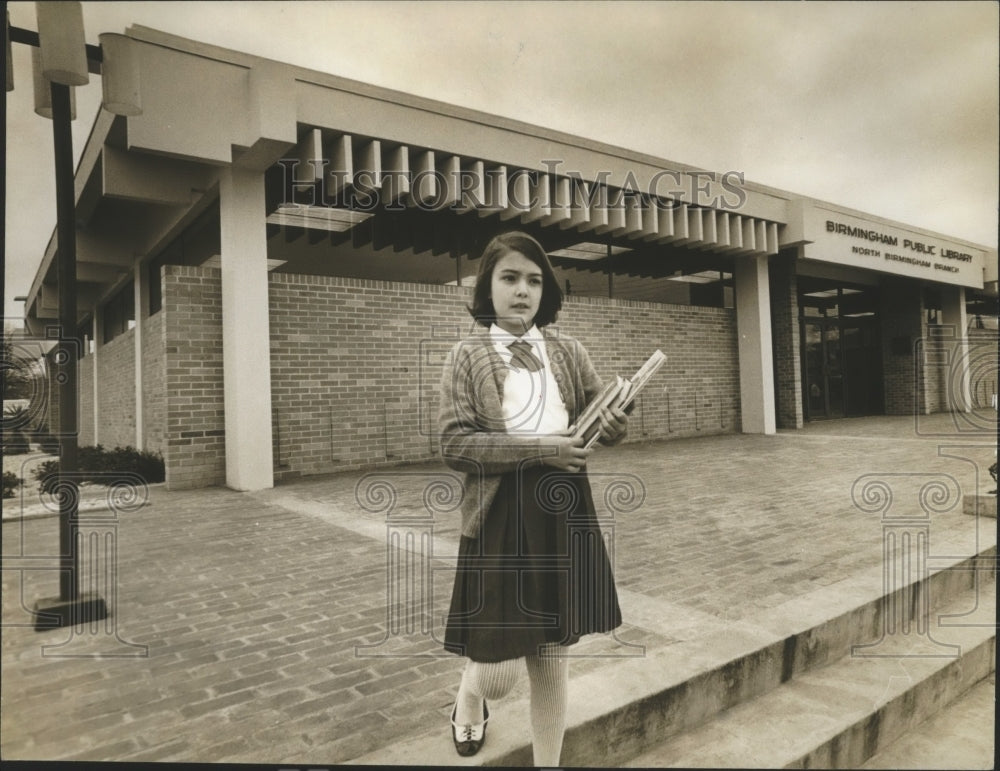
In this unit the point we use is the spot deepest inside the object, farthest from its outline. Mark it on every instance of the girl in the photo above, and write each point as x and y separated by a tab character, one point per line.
533	575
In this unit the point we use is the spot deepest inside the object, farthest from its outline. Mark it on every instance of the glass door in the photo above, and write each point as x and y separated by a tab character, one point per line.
815	382
834	372
841	350
823	369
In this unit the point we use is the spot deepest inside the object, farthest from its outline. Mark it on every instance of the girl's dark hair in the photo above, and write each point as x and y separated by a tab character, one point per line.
482	309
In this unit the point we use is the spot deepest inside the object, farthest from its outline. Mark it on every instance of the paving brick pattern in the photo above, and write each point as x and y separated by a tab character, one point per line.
267	628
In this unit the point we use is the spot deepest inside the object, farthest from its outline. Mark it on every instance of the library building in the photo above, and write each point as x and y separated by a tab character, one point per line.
272	263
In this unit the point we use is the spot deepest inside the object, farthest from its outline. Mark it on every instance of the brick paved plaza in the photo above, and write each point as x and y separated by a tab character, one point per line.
254	627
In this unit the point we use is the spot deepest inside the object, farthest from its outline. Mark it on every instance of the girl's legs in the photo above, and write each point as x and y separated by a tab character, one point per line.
548	673
549	676
483	680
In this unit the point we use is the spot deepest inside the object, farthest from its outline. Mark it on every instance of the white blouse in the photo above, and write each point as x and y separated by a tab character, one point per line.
532	403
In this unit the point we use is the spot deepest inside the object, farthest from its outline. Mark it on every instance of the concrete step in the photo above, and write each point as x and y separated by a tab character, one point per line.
628	707
959	736
841	714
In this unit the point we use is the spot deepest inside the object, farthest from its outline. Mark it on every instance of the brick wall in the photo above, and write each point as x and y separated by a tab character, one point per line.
347	369
940	364
154	405
115	393
943	368
194	430
116	366
903	321
697	391
85	405
786	341
52	412
983	365
115	363
936	366
356	365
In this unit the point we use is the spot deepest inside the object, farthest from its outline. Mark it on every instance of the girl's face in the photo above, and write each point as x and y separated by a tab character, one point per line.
516	291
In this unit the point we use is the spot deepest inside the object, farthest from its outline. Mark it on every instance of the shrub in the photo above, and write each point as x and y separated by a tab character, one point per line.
148	465
48	443
91	459
11	482
99	465
42	473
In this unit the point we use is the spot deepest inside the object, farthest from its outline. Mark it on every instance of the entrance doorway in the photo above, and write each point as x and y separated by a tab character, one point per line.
841	350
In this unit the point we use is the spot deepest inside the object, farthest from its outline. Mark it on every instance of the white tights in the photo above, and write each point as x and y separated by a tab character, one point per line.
548	676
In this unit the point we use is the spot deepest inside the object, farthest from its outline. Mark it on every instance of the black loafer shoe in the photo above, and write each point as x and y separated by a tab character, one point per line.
470	737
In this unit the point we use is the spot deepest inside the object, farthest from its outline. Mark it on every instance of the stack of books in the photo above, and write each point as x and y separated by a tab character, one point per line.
620	392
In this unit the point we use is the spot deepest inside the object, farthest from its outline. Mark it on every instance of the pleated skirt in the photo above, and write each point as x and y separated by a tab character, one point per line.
537	574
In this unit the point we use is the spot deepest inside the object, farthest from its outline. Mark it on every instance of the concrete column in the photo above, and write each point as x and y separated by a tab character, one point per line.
141	311
246	357
753	326
97	328
959	388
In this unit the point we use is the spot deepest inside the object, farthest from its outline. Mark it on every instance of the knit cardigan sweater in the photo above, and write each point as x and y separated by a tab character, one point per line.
472	430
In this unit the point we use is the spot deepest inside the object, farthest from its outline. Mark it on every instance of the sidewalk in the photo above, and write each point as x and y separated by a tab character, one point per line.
256	627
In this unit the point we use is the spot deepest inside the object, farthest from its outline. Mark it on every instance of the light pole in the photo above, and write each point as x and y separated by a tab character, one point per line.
65	61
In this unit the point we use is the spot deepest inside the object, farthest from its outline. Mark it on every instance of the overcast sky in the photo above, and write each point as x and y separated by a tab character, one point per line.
890	108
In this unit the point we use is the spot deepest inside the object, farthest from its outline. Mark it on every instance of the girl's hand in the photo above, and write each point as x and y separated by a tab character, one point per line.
571	455
614	424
